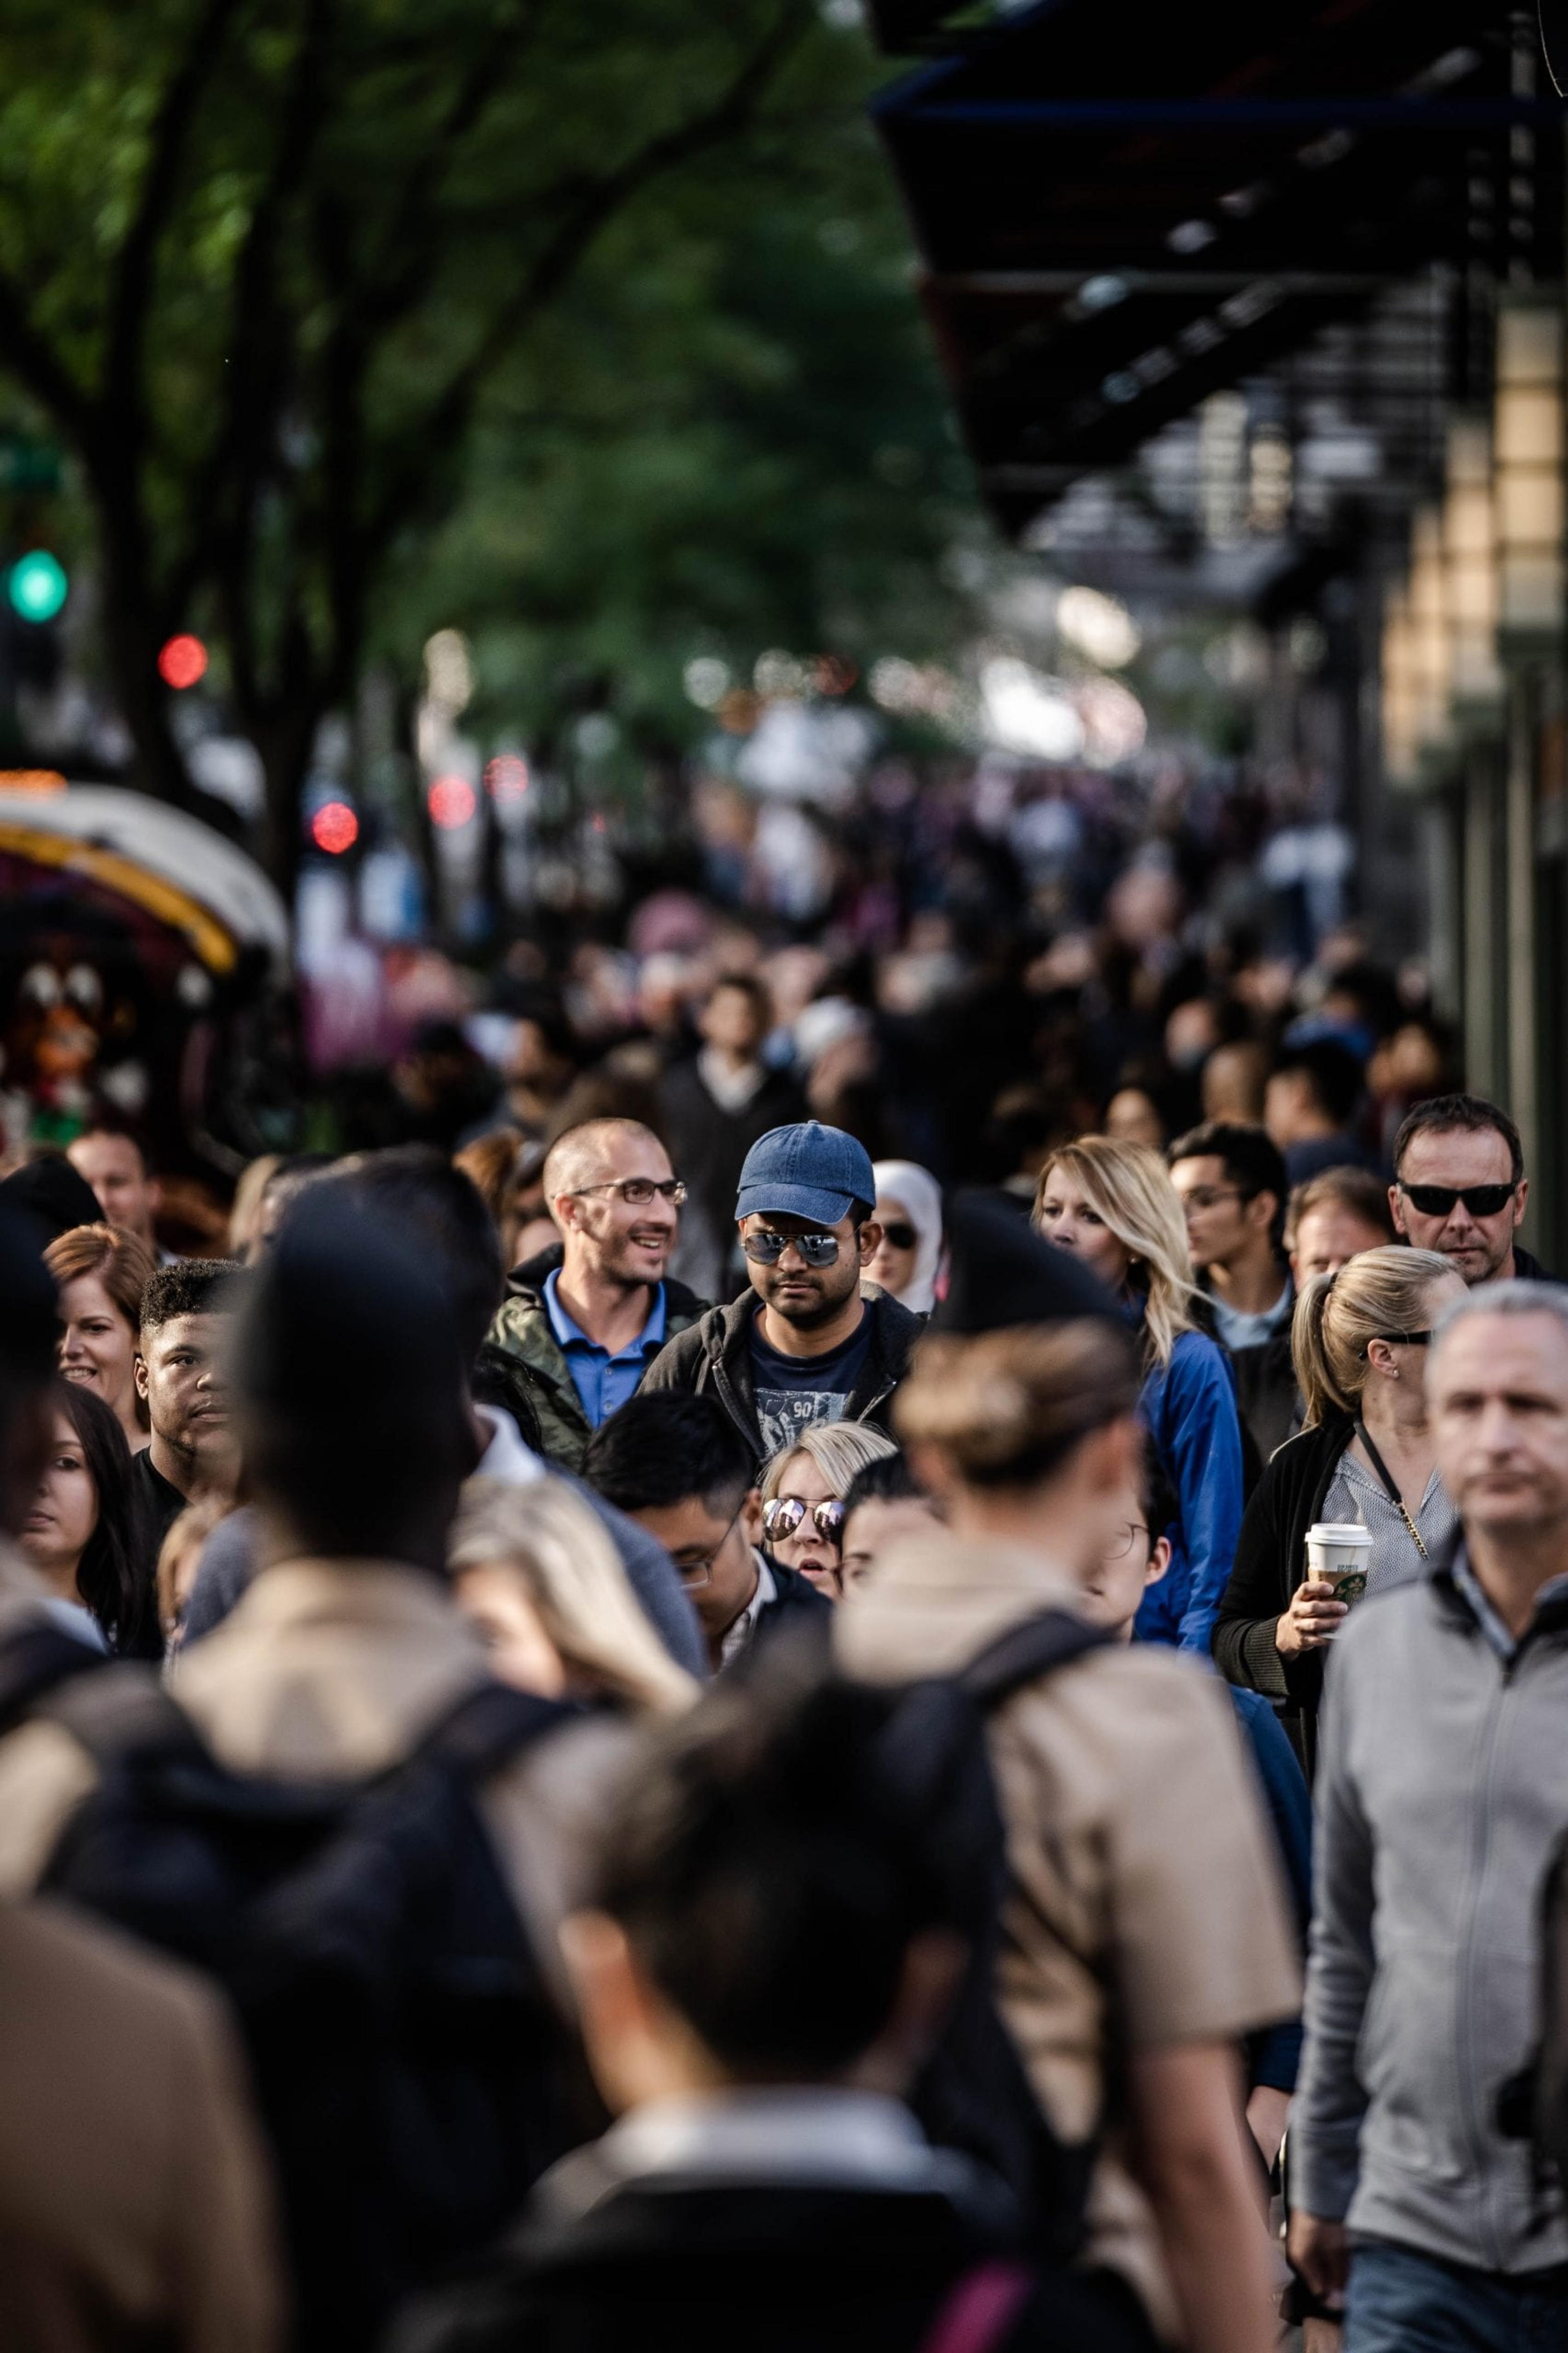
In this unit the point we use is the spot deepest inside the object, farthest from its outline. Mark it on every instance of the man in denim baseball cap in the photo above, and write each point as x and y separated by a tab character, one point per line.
809	1341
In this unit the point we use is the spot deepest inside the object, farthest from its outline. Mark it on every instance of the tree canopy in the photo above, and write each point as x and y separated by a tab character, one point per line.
348	308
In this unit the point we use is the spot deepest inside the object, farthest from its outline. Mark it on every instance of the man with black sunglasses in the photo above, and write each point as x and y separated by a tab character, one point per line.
809	1340
1459	1188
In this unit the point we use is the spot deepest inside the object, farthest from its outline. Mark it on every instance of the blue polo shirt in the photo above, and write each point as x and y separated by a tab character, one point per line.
601	1381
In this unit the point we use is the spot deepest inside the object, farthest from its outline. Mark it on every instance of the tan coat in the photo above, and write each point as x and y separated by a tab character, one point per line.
134	2204
1147	1906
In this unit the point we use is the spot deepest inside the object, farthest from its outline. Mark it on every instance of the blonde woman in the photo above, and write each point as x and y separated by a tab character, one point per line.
803	1493
535	1571
1115	1207
1359	1340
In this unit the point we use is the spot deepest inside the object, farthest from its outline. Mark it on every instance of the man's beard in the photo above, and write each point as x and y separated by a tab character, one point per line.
806	1316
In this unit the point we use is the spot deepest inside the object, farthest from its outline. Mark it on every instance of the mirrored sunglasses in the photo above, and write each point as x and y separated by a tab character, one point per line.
781	1519
765	1247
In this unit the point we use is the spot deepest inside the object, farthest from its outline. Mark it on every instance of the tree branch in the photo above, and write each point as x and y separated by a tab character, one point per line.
132	278
595	205
40	367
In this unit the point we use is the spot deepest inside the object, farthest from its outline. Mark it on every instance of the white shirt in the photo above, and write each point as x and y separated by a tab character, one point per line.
745	1625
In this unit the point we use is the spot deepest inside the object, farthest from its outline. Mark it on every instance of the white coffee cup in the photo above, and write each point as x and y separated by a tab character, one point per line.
1338	1550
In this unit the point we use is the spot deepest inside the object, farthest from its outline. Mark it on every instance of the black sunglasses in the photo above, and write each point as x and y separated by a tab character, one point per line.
902	1236
1437	1200
783	1517
1406	1339
766	1247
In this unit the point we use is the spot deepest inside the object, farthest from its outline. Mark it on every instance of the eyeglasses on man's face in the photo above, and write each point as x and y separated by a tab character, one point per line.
765	1247
783	1516
700	1571
1437	1200
637	1192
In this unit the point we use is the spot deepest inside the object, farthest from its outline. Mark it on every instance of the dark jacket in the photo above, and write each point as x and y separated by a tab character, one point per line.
797	1608
772	2267
522	1345
1529	1269
1270	1563
715	1354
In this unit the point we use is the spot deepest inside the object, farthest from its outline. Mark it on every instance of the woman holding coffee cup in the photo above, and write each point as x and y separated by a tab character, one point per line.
1354	1504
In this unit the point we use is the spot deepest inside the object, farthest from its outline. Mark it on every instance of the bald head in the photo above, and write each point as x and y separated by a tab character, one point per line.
607	1238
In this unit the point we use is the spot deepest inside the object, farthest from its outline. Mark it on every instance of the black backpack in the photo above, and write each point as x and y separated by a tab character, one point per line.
412	2075
974	2093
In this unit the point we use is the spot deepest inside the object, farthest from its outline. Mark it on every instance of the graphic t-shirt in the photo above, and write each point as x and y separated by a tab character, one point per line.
793	1391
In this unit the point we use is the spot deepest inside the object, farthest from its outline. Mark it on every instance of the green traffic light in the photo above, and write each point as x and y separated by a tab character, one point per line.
37	586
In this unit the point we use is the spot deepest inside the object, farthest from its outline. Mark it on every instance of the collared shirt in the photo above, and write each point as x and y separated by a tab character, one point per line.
1486	1618
601	1381
814	2134
742	1629
1238	1329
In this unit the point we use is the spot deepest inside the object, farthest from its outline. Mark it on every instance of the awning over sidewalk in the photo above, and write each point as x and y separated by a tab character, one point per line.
1124	210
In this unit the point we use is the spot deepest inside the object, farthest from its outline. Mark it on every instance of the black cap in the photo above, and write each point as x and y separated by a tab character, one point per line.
54	1193
1003	1274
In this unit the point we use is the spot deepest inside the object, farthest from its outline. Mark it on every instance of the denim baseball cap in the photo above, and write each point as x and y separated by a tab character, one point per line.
805	1171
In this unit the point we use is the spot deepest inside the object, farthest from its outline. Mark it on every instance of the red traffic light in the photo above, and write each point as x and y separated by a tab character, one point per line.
334	827
452	801
181	661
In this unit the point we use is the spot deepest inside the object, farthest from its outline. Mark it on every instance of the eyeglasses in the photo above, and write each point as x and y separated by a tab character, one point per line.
765	1247
638	1191
1437	1200
1126	1537
783	1517
1209	1197
1405	1339
902	1236
699	1572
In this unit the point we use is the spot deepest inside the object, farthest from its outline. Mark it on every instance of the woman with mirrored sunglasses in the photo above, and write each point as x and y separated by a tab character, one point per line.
803	1492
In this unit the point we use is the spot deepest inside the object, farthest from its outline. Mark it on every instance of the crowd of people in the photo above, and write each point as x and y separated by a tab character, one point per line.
627	1722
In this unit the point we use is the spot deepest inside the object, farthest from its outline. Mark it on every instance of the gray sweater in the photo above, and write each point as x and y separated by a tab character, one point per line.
1442	1789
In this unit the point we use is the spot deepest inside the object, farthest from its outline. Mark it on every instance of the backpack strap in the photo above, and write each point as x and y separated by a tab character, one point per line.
35	1660
490	1725
122	1709
1024	1654
978	2312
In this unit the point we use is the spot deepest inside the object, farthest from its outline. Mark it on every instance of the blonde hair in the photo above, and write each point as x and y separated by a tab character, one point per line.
1007	1408
191	1526
575	1582
838	1448
244	1211
1373	1296
1129	1185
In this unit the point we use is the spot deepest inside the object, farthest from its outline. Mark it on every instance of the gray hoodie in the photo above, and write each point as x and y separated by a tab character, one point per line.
1442	1790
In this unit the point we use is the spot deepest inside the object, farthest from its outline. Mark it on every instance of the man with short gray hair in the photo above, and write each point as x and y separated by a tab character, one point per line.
583	1324
1442	1790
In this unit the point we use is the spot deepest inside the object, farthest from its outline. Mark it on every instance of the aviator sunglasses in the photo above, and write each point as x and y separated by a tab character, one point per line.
765	1247
782	1518
1437	1200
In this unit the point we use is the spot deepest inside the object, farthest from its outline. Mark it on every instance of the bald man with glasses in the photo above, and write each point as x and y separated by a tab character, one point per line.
585	1321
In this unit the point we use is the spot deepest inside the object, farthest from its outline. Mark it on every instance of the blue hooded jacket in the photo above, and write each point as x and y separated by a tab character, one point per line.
1188	1408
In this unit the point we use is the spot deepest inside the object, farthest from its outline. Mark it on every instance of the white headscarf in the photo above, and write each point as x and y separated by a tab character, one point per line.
907	1182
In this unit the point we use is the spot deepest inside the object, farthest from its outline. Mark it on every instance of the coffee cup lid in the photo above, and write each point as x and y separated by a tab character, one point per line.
1339	1532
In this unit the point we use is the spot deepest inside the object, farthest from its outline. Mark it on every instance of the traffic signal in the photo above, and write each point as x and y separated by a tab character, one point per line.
181	661
37	585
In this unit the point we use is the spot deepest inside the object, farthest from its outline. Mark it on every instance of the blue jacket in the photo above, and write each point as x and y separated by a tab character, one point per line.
1188	1408
1274	2055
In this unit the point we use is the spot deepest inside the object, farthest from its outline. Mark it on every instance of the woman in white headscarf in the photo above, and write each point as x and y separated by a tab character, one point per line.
909	1210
